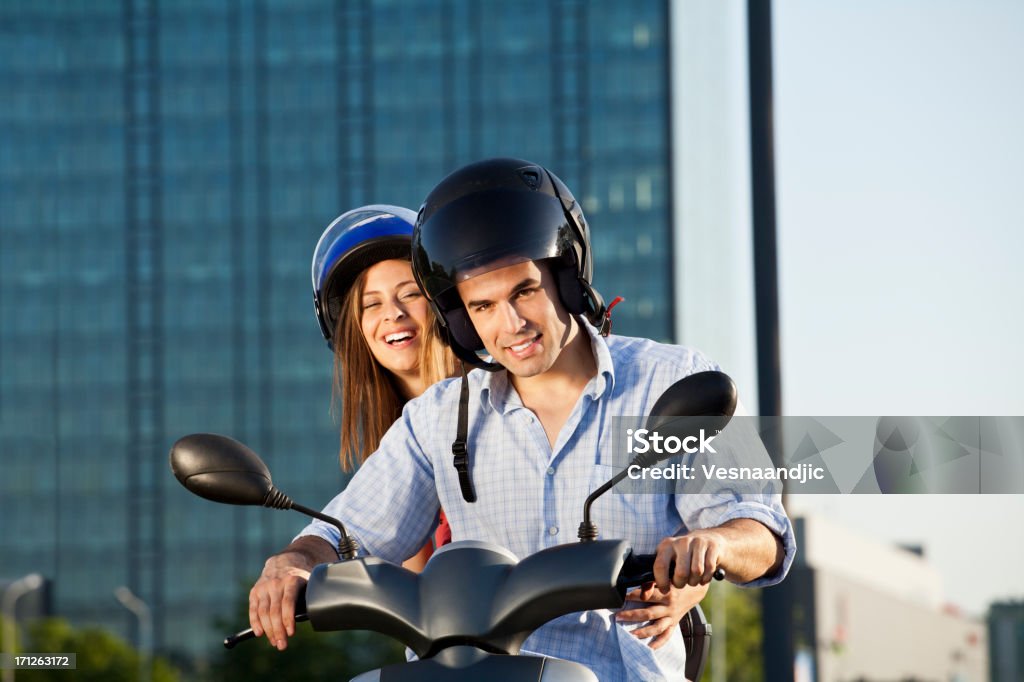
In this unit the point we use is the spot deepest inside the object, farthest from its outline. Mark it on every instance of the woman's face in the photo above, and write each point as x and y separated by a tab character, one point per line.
394	316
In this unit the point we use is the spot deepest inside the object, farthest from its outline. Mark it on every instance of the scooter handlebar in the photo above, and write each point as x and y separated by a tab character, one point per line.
245	635
639	569
636	570
231	640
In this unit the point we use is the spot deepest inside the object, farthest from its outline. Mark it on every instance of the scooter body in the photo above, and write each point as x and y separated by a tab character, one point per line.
468	613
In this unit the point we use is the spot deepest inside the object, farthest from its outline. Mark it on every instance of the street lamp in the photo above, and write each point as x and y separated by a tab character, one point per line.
12	593
141	611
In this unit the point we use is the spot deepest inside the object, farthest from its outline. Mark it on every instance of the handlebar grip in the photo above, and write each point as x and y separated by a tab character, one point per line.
639	569
231	640
300	616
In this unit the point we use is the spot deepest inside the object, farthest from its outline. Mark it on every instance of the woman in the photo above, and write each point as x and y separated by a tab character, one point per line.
387	351
370	245
380	327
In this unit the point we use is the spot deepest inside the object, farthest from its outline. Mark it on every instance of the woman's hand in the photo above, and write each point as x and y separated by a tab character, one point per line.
664	611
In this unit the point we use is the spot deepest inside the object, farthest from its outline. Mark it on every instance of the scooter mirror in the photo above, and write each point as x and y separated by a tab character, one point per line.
702	401
220	469
705	400
223	470
698	395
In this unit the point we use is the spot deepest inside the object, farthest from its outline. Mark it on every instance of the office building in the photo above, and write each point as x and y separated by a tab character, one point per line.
165	171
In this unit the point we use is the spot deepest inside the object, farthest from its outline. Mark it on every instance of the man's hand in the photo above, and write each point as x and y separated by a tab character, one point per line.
272	598
744	548
664	611
696	556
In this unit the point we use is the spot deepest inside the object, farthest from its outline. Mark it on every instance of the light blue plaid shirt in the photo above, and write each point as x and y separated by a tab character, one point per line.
530	496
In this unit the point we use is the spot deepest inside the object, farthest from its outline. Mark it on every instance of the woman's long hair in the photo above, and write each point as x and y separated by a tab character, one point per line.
370	399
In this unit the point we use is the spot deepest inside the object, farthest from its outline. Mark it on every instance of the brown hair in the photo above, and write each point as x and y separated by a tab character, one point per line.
370	399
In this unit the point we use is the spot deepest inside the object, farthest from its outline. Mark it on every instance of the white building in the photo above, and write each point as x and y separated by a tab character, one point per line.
868	611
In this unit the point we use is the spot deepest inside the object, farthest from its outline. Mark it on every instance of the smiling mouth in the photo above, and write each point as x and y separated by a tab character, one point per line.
399	338
520	347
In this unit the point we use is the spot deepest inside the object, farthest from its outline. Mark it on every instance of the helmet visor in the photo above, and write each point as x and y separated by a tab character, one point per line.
353	242
351	230
486	231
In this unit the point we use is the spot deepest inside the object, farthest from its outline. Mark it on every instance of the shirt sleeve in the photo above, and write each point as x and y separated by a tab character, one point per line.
700	511
719	503
390	505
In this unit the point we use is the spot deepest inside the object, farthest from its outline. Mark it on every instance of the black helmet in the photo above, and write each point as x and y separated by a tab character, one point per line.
495	213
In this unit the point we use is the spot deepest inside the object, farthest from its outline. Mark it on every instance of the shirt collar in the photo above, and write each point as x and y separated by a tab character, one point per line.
496	391
604	382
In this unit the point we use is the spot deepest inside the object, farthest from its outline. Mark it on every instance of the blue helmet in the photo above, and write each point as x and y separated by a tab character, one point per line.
355	240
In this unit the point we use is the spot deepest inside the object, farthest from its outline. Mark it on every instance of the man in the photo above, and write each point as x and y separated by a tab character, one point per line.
502	252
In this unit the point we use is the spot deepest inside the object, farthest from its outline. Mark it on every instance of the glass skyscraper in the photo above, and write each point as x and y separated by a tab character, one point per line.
165	171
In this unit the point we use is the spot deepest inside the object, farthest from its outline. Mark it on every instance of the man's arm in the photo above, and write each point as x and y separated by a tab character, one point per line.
398	473
746	549
272	598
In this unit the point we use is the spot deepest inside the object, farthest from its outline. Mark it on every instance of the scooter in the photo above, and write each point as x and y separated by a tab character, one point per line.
470	610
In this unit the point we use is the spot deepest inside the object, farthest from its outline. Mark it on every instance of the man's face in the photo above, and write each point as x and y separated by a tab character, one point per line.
519	317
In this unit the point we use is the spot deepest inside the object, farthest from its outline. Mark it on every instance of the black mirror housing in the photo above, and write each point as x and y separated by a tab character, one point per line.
221	469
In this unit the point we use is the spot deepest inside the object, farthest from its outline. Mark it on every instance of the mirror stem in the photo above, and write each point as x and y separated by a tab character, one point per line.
588	531
347	545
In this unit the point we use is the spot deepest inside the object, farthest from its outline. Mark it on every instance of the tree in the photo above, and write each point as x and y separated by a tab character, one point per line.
740	634
101	656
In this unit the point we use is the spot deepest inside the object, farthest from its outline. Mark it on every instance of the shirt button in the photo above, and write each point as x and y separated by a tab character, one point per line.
553	530
551	471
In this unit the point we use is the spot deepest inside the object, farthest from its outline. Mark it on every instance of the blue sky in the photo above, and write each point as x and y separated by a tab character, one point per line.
900	165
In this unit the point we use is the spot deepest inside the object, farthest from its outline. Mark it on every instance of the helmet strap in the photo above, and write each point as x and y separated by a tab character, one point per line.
578	296
321	318
595	310
606	323
460	451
